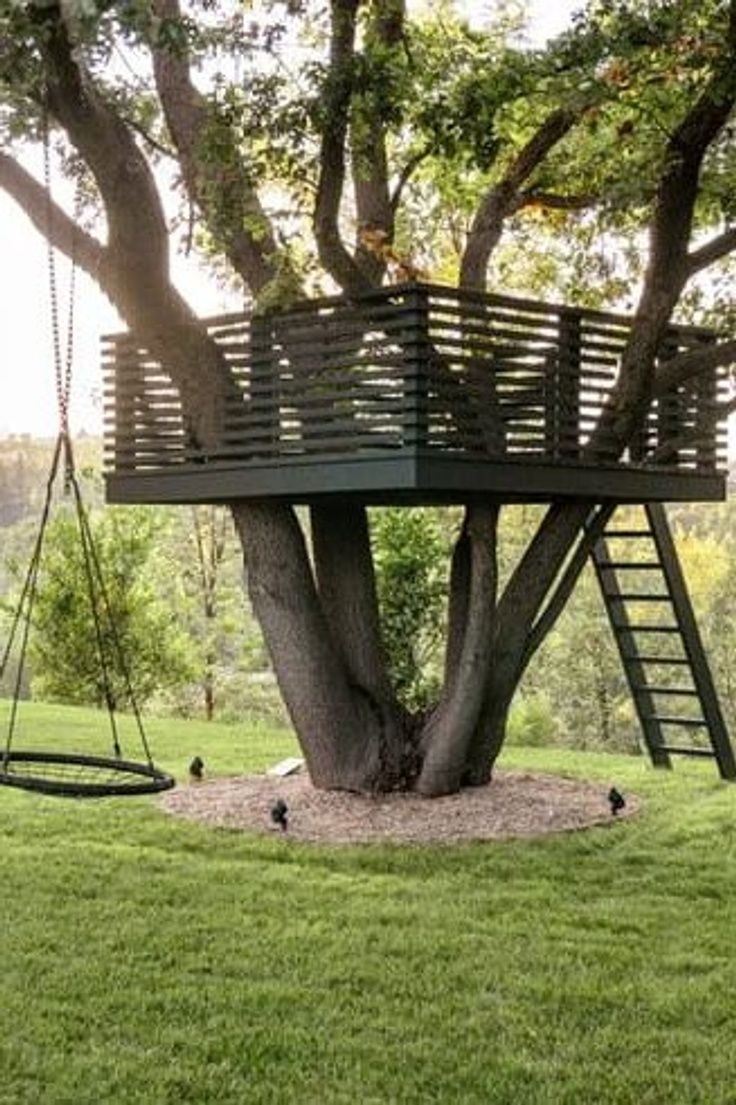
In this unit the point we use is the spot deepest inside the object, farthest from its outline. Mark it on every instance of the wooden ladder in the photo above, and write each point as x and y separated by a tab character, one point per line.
652	618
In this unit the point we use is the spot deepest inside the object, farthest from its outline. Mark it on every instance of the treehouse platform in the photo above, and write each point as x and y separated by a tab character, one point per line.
413	394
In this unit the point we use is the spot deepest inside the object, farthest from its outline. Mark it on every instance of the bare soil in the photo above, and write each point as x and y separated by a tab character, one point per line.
515	804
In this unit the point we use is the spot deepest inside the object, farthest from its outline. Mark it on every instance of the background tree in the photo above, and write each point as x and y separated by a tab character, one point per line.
63	652
377	121
202	551
410	553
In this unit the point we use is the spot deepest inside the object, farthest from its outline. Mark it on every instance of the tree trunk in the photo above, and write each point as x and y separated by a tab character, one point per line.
339	730
449	731
347	591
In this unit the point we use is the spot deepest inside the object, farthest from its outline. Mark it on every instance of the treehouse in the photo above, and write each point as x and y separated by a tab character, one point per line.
413	394
421	394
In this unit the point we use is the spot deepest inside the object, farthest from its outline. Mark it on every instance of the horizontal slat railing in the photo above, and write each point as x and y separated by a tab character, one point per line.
416	367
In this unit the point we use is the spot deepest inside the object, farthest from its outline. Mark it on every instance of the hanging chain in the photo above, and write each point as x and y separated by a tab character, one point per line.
100	605
63	359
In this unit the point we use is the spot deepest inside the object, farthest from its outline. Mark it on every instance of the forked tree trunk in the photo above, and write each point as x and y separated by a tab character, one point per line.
338	727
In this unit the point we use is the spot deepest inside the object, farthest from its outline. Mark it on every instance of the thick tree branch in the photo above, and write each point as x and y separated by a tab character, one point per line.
668	450
369	160
332	721
449	732
499	201
669	262
136	270
712	251
346	584
137	227
457	604
331	248
406	174
565	586
50	219
688	365
220	186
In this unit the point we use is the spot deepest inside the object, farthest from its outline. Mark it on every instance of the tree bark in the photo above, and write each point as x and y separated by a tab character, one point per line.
338	729
369	161
222	188
449	731
347	591
332	252
501	199
518	608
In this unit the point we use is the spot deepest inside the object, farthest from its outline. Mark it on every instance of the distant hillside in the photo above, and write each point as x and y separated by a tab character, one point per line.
24	468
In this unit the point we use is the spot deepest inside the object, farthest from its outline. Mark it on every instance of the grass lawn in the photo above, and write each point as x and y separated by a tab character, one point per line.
146	959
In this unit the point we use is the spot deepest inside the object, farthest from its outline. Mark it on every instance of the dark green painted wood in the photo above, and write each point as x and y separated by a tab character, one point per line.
701	673
423	478
626	641
658	550
461	385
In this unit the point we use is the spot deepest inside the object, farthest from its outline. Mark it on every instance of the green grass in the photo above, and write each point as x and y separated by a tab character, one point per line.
147	959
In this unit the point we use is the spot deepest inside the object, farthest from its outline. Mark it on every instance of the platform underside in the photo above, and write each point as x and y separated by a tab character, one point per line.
412	478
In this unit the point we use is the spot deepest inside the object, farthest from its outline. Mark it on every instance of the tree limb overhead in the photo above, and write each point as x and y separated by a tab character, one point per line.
714	250
330	246
369	160
221	186
60	230
499	200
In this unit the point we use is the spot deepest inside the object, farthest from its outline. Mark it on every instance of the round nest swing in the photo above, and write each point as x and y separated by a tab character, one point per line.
73	775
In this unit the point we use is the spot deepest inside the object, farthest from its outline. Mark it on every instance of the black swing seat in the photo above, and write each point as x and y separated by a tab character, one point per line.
79	776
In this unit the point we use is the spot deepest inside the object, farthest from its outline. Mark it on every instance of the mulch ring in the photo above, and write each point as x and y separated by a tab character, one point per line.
515	804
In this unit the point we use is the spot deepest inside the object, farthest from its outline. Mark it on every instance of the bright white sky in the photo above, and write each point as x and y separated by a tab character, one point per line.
27	396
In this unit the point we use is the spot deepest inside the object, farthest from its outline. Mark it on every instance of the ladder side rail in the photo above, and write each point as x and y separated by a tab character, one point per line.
691	639
629	652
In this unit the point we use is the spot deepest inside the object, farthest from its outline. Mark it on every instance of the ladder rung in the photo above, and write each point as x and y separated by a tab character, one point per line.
645	628
627	597
659	659
627	533
685	692
630	565
675	751
686	722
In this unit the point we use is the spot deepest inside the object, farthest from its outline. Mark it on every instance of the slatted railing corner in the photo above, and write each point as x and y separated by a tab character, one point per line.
262	382
417	353
567	380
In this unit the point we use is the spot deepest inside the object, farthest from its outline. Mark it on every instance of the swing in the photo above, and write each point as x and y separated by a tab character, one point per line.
71	774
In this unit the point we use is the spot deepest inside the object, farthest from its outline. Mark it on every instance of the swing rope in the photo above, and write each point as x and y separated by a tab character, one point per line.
62	773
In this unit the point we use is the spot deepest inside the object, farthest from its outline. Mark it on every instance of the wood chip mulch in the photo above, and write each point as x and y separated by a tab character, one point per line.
515	804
